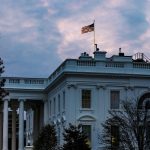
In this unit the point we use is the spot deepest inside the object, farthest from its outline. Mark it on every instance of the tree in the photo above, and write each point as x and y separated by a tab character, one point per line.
3	92
47	139
127	129
75	138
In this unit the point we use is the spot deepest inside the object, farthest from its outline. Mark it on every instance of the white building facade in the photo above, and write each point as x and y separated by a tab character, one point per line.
79	91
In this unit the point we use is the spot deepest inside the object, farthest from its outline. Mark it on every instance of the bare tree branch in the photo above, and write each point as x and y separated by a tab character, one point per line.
133	125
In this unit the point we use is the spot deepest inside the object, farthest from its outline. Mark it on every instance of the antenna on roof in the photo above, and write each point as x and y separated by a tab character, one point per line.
120	50
96	48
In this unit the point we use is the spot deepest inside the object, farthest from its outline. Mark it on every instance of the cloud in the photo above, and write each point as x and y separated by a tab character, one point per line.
16	23
145	37
121	27
37	34
26	40
107	27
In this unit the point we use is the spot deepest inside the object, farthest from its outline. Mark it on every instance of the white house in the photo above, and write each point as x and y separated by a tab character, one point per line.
79	91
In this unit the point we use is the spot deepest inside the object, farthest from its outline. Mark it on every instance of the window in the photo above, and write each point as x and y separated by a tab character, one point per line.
54	106
64	100
59	103
50	107
114	99
114	137
86	98
29	122
87	130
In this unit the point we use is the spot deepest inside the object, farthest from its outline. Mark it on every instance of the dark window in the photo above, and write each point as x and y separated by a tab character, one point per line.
114	99
50	107
59	103
64	96
114	137
86	98
54	106
87	130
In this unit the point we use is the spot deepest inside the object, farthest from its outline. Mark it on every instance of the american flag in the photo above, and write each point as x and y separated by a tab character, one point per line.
88	28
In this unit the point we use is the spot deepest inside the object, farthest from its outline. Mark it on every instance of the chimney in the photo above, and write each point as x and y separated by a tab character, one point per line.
120	53
99	55
85	56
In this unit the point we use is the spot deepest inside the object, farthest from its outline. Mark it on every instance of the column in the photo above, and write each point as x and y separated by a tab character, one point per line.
13	128
29	126
21	124
5	125
45	112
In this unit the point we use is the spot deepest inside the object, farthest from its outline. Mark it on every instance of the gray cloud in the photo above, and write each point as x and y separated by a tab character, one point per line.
37	35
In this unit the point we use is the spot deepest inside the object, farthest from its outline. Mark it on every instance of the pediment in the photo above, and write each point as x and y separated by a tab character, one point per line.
87	118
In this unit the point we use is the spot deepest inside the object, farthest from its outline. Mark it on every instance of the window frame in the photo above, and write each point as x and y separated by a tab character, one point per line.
113	106
59	103
64	100
116	136
54	106
84	124
81	98
50	108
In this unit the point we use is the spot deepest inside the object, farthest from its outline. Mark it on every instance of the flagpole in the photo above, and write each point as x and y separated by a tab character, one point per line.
94	34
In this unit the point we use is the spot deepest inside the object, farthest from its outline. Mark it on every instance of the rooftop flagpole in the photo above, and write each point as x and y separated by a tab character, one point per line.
94	34
89	28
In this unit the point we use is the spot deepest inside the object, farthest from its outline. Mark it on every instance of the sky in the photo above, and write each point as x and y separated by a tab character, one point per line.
36	36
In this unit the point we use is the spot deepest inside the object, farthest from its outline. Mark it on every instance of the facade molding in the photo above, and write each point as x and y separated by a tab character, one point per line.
86	117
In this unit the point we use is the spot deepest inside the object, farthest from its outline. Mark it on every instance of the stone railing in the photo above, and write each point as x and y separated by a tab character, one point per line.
73	65
58	71
86	63
115	65
14	82
141	65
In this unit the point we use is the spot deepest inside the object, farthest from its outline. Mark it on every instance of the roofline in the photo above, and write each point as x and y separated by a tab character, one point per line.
7	77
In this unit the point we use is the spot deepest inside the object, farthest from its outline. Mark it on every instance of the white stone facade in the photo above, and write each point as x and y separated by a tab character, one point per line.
58	98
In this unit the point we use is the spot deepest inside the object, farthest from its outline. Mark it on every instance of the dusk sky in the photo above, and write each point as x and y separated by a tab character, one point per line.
37	35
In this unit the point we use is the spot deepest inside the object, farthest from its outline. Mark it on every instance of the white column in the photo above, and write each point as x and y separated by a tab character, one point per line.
13	128
5	125
21	124
45	112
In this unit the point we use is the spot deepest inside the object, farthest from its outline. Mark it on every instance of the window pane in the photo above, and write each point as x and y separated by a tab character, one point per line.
87	130
54	106
64	100
114	136
114	99
50	107
86	98
58	103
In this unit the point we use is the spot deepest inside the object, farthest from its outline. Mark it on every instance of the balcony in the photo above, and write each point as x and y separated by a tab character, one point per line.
25	83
